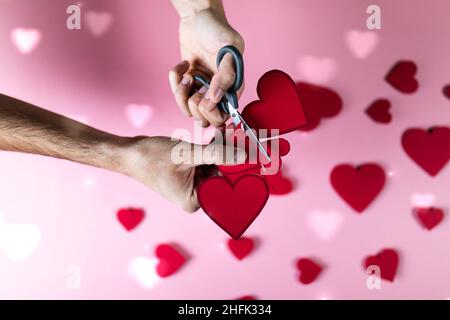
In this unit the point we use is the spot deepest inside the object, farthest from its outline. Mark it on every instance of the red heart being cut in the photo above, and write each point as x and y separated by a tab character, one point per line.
387	261
309	270
130	217
430	149
358	186
170	260
233	206
378	111
318	102
402	77
429	217
241	247
279	106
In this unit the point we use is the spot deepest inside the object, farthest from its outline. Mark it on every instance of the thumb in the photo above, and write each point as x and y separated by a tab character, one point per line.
220	154
223	79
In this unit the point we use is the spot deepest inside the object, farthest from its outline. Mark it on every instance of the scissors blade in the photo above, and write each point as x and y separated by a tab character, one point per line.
238	120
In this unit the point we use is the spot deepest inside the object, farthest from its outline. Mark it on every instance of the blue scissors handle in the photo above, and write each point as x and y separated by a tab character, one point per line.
231	94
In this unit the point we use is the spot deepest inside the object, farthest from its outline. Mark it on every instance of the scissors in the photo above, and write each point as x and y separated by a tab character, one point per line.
229	103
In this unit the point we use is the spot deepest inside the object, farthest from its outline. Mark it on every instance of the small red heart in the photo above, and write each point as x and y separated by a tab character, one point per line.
387	261
278	184
378	111
130	217
402	76
247	298
358	186
233	206
446	91
241	247
318	102
170	260
429	149
279	106
309	270
429	217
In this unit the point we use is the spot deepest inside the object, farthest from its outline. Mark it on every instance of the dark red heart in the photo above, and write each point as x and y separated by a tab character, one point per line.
170	260
358	186
402	77
387	261
247	298
429	217
318	102
378	111
446	91
430	149
279	106
130	217
233	206
241	247
309	270
278	184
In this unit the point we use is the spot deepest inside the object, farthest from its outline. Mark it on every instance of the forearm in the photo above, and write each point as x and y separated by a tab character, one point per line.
30	129
190	7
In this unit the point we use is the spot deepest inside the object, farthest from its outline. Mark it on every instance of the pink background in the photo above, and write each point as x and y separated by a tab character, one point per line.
73	206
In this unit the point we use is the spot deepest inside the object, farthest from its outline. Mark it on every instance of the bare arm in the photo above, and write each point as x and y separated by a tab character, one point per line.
30	129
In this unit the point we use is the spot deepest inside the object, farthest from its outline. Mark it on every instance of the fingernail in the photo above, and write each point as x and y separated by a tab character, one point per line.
186	80
217	95
202	90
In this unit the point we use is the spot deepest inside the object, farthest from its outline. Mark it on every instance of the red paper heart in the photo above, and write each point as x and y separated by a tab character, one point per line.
170	260
387	261
233	206
429	217
278	184
241	247
309	270
402	77
130	217
247	298
318	102
429	149
378	111
446	91
283	149
279	106
358	186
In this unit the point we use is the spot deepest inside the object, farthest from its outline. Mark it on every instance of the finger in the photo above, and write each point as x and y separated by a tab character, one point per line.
223	79
211	112
220	154
193	105
181	84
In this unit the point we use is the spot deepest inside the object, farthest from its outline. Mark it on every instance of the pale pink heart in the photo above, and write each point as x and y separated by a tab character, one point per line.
324	224
423	200
25	40
98	23
361	43
143	269
138	115
316	70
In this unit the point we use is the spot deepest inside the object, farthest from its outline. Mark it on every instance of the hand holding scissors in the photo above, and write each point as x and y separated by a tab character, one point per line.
229	103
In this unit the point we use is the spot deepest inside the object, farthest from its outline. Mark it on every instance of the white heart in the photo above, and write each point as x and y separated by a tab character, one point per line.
98	23
138	115
361	43
144	271
25	40
19	241
317	70
423	200
324	224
